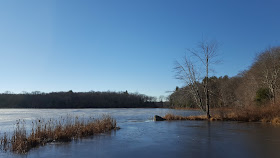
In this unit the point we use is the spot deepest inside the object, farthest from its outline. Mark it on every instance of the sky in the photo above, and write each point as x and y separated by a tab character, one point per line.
131	45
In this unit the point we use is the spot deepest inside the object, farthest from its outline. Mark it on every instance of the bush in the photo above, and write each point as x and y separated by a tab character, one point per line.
262	96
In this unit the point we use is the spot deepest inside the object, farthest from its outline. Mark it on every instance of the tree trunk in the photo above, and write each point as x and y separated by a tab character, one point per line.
206	88
207	103
274	97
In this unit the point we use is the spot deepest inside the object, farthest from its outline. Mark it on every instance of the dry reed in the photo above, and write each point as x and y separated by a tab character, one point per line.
269	114
61	130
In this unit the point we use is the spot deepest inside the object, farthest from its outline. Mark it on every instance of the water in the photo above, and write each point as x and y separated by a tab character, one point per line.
139	136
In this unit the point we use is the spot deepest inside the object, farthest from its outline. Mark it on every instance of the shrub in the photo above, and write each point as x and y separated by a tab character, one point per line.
262	96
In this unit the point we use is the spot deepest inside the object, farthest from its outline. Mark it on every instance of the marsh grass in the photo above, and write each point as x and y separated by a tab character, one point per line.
269	114
4	142
63	129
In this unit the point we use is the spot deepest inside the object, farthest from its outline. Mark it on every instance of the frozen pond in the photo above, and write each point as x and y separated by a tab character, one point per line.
139	136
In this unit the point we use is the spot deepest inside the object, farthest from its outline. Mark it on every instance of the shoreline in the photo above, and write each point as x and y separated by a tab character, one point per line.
268	114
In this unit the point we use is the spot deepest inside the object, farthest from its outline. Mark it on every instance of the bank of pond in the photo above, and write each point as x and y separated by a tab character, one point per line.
267	114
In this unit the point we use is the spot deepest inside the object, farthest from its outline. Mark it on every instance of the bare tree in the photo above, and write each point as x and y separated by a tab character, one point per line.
268	64
186	71
161	98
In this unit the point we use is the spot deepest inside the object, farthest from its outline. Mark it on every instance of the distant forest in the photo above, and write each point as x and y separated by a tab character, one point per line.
72	99
257	86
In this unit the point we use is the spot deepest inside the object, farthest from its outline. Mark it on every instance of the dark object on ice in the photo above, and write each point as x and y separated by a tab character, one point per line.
158	118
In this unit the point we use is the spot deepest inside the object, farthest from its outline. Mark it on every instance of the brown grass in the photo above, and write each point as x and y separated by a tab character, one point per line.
61	130
169	117
269	114
4	143
185	108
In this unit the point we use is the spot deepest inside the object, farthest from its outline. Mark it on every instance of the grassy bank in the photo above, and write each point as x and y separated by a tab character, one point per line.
269	114
59	130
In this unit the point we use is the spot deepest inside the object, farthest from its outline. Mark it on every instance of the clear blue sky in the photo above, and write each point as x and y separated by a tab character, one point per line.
123	45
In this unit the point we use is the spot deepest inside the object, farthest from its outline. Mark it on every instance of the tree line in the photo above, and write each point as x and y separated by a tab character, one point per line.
257	86
72	99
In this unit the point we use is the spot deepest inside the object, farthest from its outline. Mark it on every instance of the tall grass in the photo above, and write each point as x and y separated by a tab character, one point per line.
4	142
55	130
248	114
